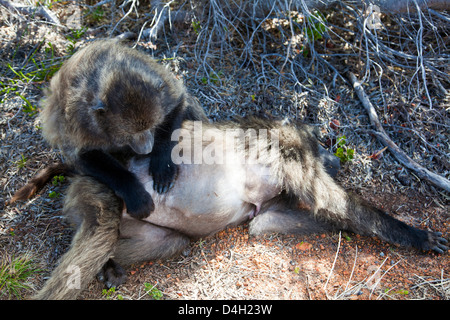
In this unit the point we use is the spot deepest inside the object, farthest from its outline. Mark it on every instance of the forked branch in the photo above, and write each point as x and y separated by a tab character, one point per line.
382	136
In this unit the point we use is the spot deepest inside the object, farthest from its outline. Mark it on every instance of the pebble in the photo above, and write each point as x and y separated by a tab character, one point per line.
404	179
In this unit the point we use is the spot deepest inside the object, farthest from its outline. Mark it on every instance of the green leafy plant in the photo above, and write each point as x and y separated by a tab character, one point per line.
152	291
196	26
214	77
27	107
107	293
201	243
402	292
7	87
22	162
73	37
313	30
343	152
53	194
315	27
32	72
48	3
58	180
96	15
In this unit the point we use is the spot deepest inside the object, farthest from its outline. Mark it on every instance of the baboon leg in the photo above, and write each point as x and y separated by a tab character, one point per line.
286	221
97	211
143	241
140	241
365	219
333	205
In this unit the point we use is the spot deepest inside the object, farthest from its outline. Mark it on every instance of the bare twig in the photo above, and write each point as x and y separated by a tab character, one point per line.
421	172
332	267
162	13
132	6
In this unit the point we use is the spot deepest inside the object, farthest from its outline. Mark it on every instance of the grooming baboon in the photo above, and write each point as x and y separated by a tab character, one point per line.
207	198
108	102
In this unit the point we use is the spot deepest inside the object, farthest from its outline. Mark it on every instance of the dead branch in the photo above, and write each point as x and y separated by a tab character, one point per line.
389	7
421	172
29	10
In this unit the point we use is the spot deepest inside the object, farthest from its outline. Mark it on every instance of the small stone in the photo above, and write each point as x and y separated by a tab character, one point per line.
404	179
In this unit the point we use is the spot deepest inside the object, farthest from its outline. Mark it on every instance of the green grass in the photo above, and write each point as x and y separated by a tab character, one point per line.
15	273
33	72
22	162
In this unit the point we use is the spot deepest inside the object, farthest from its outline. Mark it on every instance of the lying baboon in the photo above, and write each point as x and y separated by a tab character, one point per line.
222	181
108	102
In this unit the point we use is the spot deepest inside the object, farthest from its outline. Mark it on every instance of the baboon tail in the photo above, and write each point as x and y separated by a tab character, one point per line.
97	212
40	180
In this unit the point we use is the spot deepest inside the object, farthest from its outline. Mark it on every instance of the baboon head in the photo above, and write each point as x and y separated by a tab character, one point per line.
128	109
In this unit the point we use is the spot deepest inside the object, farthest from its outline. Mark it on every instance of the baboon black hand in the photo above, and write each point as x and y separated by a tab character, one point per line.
164	173
138	202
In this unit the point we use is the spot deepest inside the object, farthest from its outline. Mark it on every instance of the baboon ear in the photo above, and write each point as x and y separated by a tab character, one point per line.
99	108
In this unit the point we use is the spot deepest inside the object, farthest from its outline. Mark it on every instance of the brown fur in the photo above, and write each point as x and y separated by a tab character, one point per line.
108	102
208	197
140	91
96	212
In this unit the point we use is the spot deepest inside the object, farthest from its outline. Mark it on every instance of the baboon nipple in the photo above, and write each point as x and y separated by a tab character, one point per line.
255	211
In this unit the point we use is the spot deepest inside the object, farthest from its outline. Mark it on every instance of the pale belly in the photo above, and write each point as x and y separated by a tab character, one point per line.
203	200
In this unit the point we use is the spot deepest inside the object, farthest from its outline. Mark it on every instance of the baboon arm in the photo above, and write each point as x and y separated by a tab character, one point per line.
125	184
162	168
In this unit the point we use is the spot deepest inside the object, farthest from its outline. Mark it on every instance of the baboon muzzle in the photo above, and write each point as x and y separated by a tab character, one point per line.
142	143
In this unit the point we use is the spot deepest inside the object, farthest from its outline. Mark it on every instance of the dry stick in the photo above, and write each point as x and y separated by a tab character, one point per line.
421	172
332	267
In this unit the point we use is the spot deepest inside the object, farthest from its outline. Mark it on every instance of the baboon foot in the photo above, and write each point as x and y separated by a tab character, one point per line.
112	274
435	242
